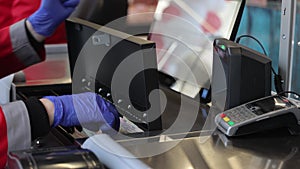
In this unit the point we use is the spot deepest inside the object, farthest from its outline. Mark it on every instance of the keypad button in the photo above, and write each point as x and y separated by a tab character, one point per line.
231	123
226	119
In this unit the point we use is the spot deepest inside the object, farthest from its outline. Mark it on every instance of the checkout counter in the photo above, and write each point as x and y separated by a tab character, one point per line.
188	145
197	148
275	149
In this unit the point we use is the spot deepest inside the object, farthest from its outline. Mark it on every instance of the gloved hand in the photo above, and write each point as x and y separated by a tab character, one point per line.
86	109
50	14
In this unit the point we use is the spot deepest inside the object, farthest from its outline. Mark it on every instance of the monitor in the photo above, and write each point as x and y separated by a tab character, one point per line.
120	67
184	32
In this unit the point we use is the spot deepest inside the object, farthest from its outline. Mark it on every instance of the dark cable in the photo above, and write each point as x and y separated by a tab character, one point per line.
277	77
278	83
252	37
249	36
285	92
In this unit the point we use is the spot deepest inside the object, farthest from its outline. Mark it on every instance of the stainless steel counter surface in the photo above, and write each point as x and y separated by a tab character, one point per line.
54	70
269	150
274	149
205	147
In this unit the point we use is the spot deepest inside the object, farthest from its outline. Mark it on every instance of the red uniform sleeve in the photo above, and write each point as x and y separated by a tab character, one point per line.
3	140
17	52
15	129
6	18
21	122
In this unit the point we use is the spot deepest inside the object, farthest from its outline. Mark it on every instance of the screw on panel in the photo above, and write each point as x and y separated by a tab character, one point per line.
283	36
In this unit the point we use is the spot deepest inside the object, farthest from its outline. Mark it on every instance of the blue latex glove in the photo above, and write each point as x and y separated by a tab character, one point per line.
86	109
50	14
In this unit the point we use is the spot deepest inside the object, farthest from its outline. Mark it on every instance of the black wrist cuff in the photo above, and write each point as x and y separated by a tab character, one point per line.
39	120
35	44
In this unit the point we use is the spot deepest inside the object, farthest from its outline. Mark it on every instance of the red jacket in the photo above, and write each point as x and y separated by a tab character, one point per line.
20	122
16	121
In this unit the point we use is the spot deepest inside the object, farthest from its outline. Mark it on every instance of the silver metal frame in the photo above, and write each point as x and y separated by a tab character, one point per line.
287	31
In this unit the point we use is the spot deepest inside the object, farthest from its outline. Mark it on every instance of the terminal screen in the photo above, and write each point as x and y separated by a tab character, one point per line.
268	105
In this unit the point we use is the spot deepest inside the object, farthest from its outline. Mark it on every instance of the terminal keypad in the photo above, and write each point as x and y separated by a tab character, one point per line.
238	115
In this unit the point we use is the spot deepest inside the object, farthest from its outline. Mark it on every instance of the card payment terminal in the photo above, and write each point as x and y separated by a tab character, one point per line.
262	114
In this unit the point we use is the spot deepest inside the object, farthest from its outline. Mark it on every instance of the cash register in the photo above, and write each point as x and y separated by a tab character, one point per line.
121	68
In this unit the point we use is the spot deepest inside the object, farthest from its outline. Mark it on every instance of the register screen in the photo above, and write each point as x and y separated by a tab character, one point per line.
184	31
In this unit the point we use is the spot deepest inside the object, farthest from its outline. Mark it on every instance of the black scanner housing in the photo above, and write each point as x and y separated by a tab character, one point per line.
247	74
